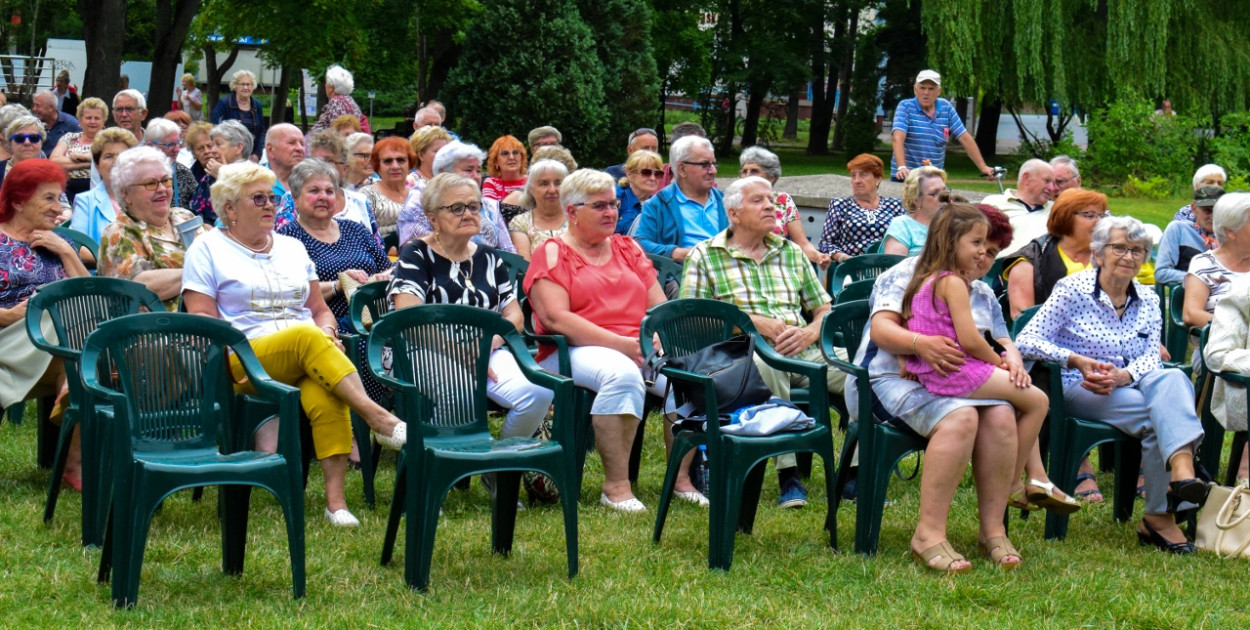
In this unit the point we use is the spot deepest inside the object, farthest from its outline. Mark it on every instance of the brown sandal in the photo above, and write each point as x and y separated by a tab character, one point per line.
998	549
943	551
1017	500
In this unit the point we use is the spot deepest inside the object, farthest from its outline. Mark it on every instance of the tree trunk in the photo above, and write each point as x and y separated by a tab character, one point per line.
844	77
824	89
987	127
216	72
303	103
173	21
277	108
791	132
104	31
751	124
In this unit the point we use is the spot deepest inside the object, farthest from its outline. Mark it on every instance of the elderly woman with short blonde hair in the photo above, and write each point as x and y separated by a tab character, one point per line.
922	192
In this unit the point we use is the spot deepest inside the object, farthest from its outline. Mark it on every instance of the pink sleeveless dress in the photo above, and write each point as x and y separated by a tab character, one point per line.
931	316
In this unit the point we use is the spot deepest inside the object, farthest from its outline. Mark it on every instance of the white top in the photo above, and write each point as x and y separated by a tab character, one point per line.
1218	278
355	208
257	293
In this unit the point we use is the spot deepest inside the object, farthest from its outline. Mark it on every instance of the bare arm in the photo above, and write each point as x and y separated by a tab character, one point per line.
165	283
794	230
61	156
1020	287
200	304
894	246
522	242
551	306
1196	295
10	316
51	241
795	339
900	156
954	291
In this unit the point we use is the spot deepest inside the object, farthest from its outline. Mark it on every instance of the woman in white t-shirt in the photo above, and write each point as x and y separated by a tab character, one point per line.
265	285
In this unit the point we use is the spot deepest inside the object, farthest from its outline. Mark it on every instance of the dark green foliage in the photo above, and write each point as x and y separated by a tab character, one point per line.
1127	140
622	33
1231	149
526	64
861	120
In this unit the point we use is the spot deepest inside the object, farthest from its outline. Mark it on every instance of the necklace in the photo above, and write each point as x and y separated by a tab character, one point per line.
602	251
255	250
458	263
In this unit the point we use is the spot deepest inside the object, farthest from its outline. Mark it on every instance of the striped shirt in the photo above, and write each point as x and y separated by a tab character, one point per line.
926	136
782	286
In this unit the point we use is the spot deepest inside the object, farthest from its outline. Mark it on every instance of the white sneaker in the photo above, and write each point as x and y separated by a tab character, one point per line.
342	518
396	440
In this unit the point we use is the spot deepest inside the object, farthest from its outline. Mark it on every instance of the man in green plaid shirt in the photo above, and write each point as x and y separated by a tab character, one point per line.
771	280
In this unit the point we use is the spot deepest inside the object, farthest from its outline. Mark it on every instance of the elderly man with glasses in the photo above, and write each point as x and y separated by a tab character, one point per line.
642	139
688	211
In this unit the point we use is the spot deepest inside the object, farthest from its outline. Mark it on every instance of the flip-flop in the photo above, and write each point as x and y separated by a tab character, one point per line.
997	549
1048	498
1086	495
944	552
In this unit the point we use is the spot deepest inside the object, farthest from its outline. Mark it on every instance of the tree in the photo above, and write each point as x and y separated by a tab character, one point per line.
173	21
104	27
510	79
622	33
681	53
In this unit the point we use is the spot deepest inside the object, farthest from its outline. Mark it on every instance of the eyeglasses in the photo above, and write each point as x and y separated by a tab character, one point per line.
1138	253
166	145
1063	182
602	206
395	160
650	172
1092	216
242	85
125	110
458	209
261	199
26	138
938	193
361	156
512	153
167	182
707	166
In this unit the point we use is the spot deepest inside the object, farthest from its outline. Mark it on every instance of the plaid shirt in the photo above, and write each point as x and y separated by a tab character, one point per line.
782	286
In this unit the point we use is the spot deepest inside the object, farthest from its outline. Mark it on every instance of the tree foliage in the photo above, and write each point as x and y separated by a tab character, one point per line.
622	34
1128	142
528	63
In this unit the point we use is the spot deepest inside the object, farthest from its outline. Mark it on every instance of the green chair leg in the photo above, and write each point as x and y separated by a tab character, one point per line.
503	511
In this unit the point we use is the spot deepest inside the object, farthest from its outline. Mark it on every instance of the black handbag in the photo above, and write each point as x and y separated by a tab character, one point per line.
731	365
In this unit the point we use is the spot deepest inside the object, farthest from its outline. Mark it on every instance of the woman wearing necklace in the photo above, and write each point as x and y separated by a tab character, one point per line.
392	158
1103	329
852	223
266	286
447	267
145	243
543	217
594	286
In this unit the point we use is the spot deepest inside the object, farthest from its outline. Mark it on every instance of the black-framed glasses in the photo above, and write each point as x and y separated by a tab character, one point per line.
260	200
458	209
26	138
167	182
707	166
601	206
1138	253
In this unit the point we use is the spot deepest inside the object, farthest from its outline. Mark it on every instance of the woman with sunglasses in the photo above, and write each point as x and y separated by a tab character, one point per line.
643	171
392	158
922	198
145	243
506	165
25	139
265	285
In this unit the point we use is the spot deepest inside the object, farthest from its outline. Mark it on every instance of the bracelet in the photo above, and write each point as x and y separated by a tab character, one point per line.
333	330
913	342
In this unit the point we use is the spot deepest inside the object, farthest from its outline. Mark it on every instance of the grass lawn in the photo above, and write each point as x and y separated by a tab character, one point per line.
784	576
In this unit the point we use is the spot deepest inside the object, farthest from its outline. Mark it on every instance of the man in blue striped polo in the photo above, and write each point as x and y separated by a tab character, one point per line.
924	125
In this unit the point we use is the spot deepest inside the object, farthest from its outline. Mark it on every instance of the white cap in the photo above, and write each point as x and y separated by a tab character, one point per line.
929	75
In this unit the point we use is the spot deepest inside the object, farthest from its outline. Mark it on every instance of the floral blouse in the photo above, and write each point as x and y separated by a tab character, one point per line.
23	269
524	223
341	105
129	247
73	148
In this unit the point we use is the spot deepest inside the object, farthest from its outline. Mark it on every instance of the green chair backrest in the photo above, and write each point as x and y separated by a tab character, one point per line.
856	268
666	268
691	324
80	239
858	290
1023	320
1176	337
441	352
844	327
517	267
372	297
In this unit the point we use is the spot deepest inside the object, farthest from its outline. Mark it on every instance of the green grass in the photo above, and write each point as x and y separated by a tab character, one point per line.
784	576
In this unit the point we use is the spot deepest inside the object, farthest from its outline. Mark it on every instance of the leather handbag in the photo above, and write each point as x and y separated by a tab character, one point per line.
1224	523
731	364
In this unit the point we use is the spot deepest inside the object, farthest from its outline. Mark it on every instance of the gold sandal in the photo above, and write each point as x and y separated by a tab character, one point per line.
942	550
1017	500
997	549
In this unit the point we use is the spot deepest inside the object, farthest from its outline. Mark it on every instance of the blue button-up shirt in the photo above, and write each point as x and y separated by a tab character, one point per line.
927	136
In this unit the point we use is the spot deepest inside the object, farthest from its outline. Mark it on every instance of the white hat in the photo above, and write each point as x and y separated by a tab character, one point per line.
929	75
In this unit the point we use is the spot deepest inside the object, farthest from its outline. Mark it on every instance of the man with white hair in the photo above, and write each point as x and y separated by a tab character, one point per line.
642	139
1067	176
1028	206
426	117
130	109
284	144
56	122
770	279
688	211
924	125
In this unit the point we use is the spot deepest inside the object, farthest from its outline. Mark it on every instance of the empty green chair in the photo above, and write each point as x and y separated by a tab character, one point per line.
881	446
856	268
76	307
177	425
735	463
440	355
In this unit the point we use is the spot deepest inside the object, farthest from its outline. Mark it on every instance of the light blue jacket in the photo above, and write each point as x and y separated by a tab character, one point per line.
93	211
663	224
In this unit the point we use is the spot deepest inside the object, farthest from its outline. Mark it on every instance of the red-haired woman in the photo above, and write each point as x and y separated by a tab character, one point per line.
506	164
32	255
392	159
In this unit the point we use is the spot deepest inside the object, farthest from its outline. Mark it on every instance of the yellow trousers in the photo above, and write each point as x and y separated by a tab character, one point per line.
304	357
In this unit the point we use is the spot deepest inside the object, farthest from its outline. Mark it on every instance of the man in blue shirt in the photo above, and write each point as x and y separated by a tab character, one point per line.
924	125
689	210
56	122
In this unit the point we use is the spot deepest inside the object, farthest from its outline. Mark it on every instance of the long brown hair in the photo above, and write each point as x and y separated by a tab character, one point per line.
938	254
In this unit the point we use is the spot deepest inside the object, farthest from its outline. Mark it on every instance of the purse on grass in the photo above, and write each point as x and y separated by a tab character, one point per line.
731	365
1224	523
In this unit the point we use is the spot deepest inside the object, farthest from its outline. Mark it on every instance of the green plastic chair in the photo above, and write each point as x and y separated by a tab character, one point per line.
176	426
666	268
81	240
858	290
439	376
1176	339
76	307
881	446
856	268
735	463
370	298
1213	442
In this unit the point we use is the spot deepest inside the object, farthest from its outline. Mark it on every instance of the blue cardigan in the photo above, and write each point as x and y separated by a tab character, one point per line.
662	227
228	109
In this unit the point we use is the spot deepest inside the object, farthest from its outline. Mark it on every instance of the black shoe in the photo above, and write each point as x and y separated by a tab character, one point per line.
1191	491
1152	537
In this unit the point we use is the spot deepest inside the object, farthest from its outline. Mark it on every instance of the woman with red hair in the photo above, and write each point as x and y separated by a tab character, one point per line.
392	159
32	255
506	165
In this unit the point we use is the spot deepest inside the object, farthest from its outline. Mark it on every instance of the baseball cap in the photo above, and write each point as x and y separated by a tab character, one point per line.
929	75
1206	196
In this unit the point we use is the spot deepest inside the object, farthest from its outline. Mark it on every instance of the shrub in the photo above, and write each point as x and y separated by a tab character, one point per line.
1231	149
1154	188
1126	139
